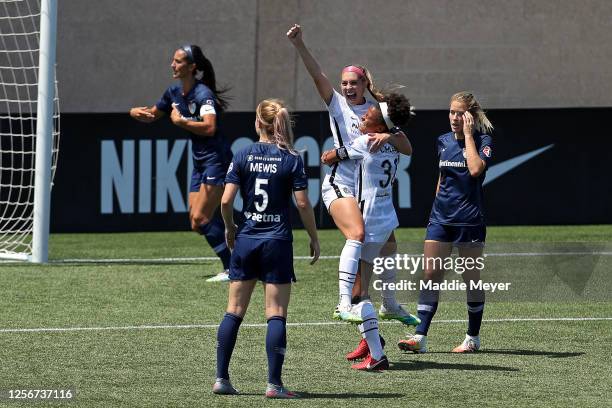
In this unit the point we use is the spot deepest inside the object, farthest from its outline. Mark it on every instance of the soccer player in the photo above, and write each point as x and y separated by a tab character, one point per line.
338	188
193	104
266	173
374	185
457	217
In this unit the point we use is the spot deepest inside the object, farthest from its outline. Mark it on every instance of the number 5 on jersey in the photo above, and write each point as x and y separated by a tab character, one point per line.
260	191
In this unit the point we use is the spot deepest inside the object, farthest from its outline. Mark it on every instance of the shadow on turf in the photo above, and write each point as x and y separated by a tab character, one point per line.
431	365
306	395
549	354
312	395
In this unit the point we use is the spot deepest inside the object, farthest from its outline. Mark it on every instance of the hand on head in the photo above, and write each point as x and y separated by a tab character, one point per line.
468	124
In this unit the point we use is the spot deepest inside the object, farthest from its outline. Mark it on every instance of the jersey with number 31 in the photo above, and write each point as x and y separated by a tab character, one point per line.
267	176
375	174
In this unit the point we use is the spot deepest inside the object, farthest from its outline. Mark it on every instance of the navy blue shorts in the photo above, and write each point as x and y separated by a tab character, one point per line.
269	260
475	234
213	174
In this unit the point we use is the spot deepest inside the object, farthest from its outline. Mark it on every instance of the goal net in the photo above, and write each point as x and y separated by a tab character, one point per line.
20	93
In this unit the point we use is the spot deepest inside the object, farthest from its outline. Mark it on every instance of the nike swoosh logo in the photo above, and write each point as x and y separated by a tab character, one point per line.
504	167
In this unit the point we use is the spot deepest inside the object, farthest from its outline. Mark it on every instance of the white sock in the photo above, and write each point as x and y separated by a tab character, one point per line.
388	295
349	263
369	329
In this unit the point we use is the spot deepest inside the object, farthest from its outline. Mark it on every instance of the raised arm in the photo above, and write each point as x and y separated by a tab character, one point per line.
321	81
475	164
307	216
398	140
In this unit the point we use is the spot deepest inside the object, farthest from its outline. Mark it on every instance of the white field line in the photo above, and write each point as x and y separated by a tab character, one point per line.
303	324
301	257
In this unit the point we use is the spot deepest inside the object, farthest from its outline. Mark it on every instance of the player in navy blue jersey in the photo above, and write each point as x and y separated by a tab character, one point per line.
267	174
338	188
193	104
457	217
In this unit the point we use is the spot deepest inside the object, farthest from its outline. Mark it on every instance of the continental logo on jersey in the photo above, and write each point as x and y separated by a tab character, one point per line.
262	217
446	163
487	151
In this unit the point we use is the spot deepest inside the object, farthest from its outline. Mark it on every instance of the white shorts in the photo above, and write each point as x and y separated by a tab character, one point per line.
331	192
373	245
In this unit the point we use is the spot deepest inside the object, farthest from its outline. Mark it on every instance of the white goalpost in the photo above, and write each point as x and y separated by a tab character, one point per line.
29	126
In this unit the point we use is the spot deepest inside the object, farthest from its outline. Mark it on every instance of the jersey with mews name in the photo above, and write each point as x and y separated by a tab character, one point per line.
267	176
460	200
198	102
375	175
344	120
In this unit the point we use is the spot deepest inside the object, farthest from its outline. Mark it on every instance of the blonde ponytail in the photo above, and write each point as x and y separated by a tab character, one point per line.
274	120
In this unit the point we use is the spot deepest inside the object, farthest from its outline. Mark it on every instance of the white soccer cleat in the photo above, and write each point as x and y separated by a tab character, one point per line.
345	312
417	343
220	277
471	344
224	387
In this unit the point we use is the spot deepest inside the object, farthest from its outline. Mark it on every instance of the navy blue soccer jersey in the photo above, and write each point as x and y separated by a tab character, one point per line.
267	176
460	200
198	102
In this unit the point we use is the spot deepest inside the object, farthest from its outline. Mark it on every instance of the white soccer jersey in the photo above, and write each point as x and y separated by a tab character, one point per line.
344	120
375	174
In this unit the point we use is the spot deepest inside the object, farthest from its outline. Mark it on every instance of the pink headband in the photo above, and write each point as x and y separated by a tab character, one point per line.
352	68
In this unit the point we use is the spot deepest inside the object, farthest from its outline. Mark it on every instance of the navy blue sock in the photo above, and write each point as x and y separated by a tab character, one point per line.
214	232
226	340
475	306
276	342
426	309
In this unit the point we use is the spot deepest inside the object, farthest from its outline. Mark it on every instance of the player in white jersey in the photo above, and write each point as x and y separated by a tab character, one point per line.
338	189
375	173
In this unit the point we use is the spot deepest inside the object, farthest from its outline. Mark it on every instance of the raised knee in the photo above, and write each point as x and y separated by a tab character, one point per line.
357	235
197	220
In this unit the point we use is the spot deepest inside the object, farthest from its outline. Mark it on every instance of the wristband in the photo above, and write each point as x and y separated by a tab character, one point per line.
341	153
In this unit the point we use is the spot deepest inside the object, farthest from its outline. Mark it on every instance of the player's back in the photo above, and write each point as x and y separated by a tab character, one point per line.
267	176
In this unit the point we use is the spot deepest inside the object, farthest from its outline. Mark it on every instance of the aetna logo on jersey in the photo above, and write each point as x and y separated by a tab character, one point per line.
263	167
446	163
261	217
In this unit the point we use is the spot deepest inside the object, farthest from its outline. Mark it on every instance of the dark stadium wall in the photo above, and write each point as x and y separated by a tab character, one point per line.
550	167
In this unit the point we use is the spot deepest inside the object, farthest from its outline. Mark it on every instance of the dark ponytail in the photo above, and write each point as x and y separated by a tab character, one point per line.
204	65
